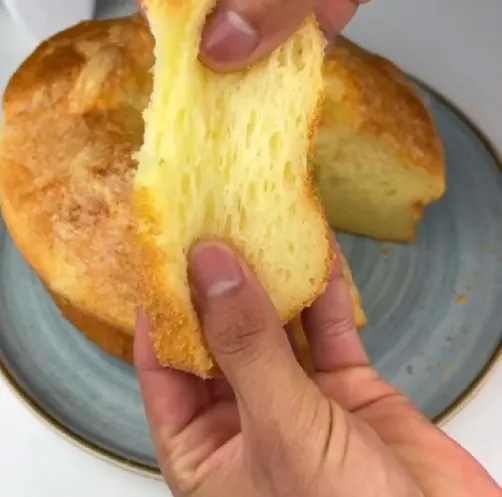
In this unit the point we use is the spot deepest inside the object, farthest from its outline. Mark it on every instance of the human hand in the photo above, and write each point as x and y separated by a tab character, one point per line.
270	430
239	32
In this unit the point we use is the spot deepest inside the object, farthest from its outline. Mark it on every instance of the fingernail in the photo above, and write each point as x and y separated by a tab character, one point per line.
228	37
214	270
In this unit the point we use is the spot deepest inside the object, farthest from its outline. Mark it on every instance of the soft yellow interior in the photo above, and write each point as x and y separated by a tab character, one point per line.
226	156
370	190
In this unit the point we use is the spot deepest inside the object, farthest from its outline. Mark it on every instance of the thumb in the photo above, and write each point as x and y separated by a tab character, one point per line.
239	32
243	331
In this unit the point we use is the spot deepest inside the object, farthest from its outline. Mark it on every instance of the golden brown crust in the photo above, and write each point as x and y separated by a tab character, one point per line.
66	166
180	344
71	121
112	340
378	101
120	344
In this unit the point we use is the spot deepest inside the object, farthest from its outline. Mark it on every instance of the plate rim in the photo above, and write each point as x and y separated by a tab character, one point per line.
71	436
467	396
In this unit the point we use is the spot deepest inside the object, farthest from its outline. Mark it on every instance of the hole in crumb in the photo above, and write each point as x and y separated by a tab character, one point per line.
298	56
289	177
282	56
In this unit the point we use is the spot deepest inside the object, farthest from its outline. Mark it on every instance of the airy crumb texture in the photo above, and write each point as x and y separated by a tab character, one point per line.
379	160
226	155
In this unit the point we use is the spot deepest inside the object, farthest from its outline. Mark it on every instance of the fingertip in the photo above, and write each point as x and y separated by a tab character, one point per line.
334	16
214	269
238	34
326	26
240	323
228	41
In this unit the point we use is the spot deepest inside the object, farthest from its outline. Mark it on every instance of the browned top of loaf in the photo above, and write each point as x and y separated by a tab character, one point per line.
372	95
71	121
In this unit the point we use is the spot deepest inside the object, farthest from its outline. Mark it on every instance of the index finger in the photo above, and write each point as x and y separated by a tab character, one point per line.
171	397
330	325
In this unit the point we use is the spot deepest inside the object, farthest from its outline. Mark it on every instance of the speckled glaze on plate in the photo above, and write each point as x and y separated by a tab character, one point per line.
435	319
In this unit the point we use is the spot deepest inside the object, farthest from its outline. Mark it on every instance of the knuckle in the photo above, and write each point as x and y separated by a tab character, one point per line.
335	326
178	466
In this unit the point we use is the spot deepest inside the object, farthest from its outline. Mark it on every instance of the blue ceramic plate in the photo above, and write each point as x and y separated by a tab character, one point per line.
434	312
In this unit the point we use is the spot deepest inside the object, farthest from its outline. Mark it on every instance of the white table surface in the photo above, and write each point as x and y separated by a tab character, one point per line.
454	45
